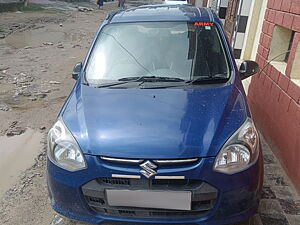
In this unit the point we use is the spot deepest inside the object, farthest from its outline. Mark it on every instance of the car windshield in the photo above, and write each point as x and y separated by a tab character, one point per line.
183	50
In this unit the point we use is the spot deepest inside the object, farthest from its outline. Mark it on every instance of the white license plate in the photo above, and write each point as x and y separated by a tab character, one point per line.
180	200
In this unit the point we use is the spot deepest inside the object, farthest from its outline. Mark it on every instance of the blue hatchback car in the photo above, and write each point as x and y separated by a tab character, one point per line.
157	128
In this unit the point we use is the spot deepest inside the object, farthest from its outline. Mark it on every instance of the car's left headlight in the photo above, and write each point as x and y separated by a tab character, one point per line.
63	149
240	151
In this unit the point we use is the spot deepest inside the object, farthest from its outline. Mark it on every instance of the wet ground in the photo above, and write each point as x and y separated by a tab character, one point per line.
21	150
37	54
42	36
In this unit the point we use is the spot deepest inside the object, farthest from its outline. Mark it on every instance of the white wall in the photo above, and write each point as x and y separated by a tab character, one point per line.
199	3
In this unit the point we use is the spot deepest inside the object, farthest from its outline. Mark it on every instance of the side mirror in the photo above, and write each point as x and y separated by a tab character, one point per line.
248	68
76	71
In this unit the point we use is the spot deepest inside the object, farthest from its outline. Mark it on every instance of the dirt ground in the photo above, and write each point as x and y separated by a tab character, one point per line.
37	56
37	53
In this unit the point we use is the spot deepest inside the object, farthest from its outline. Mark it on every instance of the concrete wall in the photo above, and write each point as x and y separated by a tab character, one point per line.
199	3
274	95
255	21
251	41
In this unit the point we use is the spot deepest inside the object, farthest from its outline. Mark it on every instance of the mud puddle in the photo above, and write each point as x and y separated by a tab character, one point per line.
8	97
38	37
17	154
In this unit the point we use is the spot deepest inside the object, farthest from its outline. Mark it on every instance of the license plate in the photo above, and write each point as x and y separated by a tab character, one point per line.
180	200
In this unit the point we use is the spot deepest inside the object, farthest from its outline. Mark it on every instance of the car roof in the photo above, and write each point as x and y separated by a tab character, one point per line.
151	13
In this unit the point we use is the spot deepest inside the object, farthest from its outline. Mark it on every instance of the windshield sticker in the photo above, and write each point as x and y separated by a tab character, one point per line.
210	24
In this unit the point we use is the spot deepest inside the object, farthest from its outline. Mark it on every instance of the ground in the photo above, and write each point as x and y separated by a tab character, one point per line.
37	53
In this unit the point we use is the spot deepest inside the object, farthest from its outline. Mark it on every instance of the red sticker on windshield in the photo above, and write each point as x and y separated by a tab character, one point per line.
204	24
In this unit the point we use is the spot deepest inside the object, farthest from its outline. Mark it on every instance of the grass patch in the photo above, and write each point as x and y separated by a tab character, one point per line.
31	8
36	8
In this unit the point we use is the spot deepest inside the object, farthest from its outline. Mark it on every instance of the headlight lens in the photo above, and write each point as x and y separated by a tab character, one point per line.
240	151
248	134
63	150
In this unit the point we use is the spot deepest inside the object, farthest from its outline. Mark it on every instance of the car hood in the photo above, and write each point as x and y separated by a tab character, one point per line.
154	123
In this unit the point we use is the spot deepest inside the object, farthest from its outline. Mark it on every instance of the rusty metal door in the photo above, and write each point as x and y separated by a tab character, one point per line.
231	18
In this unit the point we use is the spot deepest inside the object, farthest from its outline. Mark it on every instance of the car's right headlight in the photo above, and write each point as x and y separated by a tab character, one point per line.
63	149
240	151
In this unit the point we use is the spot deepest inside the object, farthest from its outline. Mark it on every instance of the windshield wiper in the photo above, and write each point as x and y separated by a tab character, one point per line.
152	79
142	79
109	84
208	80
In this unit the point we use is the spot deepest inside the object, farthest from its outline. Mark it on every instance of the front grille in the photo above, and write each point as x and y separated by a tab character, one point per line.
113	181
161	162
153	184
203	197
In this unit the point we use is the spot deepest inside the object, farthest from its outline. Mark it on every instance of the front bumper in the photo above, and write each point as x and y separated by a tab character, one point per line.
237	194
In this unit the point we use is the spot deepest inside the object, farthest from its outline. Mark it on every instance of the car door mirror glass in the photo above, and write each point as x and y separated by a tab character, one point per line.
76	71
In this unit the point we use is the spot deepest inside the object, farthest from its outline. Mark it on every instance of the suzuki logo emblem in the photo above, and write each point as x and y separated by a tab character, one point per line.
148	169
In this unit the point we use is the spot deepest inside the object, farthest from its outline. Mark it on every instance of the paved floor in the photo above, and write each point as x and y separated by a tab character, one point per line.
280	204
